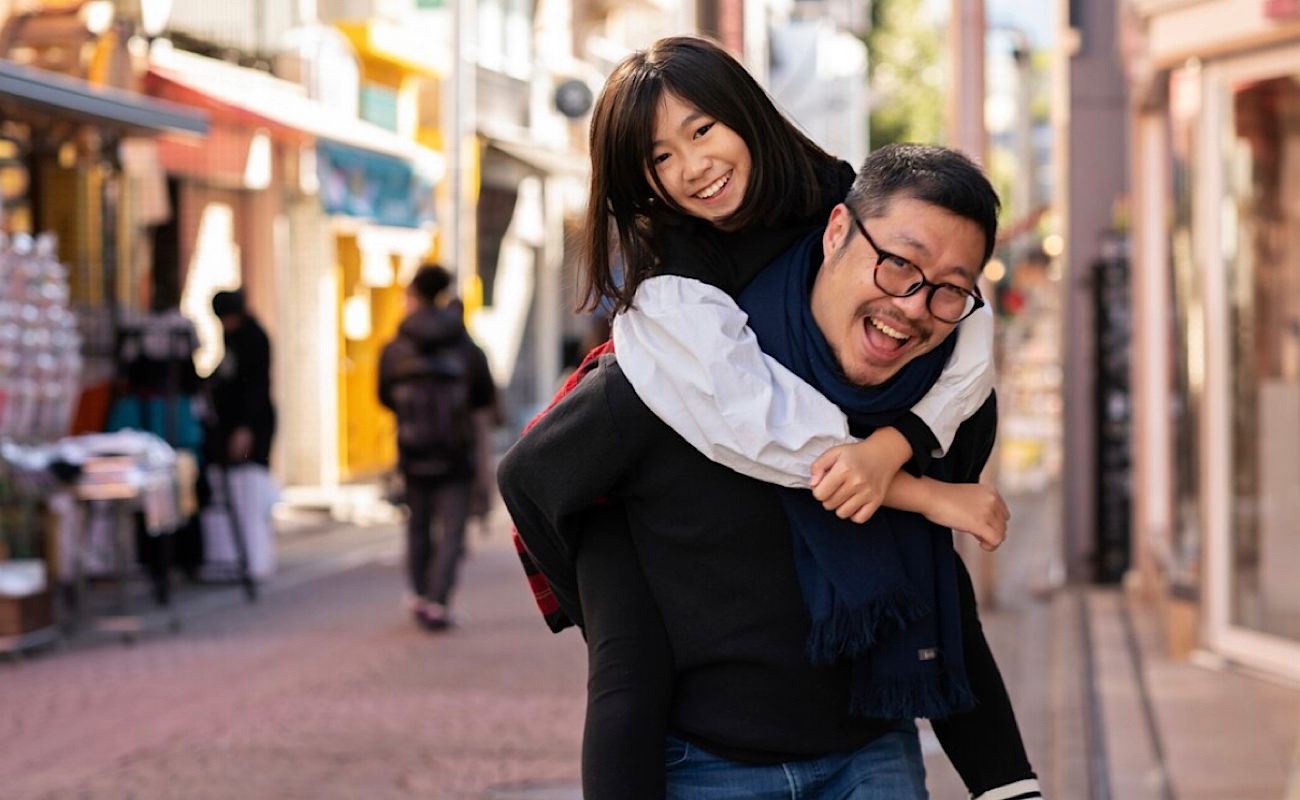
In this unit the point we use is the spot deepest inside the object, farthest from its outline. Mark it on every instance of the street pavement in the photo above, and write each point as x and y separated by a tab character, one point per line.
325	689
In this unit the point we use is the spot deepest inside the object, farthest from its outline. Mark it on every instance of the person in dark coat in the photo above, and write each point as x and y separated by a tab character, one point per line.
243	416
436	381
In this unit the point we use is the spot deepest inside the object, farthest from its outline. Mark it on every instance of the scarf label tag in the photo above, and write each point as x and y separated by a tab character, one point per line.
927	654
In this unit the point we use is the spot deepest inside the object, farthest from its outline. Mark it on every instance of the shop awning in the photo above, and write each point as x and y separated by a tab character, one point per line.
540	159
66	97
256	99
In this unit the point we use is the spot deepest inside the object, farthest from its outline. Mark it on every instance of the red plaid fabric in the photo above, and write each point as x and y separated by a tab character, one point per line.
555	618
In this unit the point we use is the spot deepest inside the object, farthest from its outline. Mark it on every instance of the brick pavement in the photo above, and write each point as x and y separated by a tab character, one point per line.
325	690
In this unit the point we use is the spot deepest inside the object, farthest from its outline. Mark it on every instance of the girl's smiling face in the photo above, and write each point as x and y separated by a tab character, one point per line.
703	165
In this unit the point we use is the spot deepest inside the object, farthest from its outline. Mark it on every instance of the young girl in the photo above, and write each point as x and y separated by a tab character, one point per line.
704	182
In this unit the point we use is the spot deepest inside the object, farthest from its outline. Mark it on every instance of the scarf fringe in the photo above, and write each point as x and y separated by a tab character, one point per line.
848	633
931	696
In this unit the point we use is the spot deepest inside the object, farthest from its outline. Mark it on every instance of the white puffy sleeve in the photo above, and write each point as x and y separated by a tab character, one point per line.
687	350
966	381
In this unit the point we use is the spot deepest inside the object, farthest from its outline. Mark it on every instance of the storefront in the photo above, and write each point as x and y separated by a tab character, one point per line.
1217	302
68	169
402	69
322	217
71	173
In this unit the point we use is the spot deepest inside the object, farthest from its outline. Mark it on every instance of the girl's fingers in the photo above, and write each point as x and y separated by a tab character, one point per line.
831	484
823	465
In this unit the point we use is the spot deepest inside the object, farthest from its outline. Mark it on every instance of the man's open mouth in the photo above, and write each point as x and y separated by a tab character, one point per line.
883	336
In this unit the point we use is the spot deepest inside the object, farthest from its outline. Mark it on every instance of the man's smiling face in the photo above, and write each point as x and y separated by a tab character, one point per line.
872	334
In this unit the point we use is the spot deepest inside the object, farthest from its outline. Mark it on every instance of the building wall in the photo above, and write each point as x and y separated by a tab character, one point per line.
1095	153
1216	84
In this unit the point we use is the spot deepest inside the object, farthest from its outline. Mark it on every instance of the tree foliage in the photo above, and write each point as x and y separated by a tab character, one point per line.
907	81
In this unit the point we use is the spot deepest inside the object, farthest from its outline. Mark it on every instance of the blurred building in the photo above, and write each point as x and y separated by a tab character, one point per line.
314	193
1091	143
77	158
818	74
1215	114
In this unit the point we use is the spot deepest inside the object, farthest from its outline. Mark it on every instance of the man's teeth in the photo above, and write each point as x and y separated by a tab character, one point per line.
888	331
714	188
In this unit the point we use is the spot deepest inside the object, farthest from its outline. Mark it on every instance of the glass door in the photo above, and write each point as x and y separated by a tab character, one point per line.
1254	493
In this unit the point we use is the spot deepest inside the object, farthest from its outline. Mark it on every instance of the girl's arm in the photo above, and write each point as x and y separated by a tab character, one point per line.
851	480
974	508
966	382
686	349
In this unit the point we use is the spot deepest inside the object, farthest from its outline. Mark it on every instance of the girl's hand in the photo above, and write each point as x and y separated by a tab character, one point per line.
852	480
972	508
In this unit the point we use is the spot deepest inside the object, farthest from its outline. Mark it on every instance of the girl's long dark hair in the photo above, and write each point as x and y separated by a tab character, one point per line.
625	212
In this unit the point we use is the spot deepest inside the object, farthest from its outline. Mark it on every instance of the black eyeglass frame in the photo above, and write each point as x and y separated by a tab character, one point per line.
883	255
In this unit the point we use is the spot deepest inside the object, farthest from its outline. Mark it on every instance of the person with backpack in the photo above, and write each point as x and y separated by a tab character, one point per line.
436	381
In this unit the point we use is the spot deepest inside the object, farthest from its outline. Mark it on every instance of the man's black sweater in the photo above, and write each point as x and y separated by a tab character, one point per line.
715	547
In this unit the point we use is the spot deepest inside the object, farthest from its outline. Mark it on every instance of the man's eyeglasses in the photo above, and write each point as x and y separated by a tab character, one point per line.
898	277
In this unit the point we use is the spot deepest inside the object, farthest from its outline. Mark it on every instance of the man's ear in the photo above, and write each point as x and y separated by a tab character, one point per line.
837	227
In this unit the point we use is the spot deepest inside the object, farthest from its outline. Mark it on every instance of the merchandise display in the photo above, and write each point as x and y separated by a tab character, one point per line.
40	347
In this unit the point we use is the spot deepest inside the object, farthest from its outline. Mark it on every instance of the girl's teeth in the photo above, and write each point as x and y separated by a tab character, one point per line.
713	188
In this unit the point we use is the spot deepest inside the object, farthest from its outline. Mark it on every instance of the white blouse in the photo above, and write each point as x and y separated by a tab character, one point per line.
687	349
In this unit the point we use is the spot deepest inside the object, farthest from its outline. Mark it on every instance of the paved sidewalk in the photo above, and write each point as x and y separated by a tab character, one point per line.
324	689
1186	729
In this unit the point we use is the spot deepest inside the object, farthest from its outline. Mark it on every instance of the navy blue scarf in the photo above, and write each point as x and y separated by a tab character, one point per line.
883	594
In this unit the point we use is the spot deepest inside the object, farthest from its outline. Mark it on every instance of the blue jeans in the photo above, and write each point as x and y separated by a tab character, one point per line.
889	768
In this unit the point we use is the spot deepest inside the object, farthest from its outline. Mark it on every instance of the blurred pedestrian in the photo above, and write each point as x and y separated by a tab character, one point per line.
240	428
436	381
240	388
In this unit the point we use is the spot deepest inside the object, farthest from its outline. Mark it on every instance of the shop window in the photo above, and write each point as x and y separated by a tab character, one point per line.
1263	260
379	105
496	207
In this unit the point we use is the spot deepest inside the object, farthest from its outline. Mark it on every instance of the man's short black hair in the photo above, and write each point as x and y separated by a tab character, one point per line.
430	281
937	175
225	304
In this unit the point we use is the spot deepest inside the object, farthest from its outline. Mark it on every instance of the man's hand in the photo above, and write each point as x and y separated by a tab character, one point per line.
852	480
240	445
972	508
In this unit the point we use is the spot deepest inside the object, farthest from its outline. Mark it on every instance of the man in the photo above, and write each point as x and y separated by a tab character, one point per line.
436	381
240	388
748	705
241	426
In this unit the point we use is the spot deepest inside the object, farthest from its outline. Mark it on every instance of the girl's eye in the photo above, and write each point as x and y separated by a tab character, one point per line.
703	129
659	159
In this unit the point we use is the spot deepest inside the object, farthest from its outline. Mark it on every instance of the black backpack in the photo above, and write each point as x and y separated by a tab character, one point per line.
431	402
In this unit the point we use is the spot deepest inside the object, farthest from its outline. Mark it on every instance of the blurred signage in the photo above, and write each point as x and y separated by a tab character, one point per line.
429	4
373	186
1282	9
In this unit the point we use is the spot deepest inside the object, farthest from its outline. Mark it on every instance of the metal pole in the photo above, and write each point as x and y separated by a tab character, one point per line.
966	132
461	142
1026	174
966	98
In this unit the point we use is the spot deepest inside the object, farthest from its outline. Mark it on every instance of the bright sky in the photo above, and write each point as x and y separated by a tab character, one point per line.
1036	17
